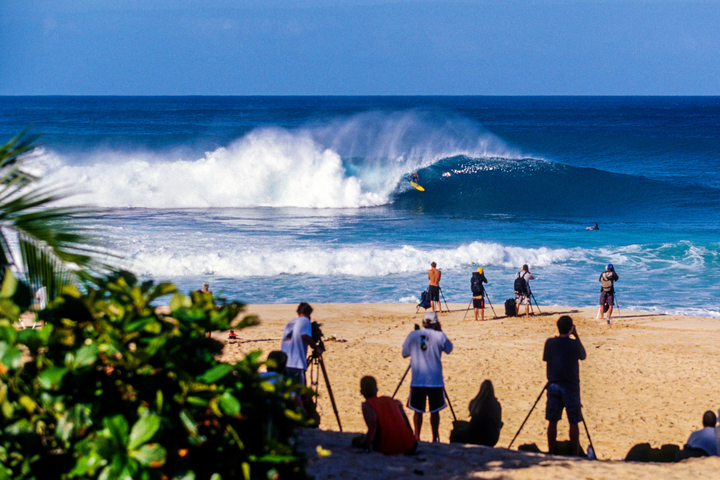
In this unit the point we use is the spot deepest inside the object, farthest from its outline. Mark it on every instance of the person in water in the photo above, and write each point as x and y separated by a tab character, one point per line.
594	227
414	177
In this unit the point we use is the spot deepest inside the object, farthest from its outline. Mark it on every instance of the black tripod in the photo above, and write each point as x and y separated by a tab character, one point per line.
491	305
316	363
528	415
447	309
487	296
617	305
536	304
533	408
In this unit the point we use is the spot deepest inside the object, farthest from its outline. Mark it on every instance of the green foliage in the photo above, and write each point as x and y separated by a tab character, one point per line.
111	388
52	239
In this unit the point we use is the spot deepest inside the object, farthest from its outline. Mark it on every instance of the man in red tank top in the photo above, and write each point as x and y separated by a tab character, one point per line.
389	430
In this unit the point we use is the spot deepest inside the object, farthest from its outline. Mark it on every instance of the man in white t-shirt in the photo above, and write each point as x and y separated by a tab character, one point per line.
425	347
297	335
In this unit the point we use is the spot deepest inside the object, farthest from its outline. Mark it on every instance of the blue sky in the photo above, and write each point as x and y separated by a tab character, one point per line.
359	47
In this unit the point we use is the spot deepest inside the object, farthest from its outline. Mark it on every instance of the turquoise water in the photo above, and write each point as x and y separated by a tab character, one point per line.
282	199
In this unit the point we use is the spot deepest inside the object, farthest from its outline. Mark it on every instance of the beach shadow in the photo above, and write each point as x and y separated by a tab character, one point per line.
432	460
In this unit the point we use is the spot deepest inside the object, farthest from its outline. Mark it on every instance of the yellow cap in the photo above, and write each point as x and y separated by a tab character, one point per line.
479	270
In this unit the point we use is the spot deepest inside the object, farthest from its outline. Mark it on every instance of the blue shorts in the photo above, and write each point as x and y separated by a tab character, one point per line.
563	395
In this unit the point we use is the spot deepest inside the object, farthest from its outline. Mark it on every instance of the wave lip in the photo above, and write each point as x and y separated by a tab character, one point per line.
345	163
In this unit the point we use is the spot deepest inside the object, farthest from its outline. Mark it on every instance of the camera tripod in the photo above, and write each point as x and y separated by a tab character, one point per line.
487	297
315	365
444	392
587	432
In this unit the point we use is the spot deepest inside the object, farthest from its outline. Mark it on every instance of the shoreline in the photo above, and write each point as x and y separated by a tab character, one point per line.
647	377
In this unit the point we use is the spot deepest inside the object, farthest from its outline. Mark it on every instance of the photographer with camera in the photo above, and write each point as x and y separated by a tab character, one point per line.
522	290
297	335
425	347
563	388
607	291
476	287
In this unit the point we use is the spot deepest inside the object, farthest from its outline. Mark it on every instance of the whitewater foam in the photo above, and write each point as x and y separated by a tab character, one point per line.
346	261
349	163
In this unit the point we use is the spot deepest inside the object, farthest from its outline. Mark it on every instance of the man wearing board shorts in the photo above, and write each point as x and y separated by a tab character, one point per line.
434	289
563	389
522	297
425	346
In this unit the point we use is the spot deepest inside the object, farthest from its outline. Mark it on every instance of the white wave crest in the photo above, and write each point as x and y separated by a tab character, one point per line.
350	163
345	261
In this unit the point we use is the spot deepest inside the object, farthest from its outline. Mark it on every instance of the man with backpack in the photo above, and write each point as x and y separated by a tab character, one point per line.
478	291
522	290
607	291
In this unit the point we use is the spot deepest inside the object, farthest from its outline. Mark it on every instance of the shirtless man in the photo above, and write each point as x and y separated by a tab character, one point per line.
434	289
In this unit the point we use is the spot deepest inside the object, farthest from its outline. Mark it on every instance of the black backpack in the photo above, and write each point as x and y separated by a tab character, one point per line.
521	285
424	300
476	284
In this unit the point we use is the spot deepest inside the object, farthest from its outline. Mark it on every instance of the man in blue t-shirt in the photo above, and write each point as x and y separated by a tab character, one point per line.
563	373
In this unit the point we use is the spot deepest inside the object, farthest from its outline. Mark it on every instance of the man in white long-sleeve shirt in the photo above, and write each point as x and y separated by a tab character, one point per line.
425	347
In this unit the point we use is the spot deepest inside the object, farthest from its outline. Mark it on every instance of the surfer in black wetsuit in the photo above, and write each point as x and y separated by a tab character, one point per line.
414	178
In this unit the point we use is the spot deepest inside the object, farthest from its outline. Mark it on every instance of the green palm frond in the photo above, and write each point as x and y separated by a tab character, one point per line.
55	242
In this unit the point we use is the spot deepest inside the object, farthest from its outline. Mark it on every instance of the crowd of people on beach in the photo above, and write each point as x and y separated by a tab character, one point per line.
389	430
521	289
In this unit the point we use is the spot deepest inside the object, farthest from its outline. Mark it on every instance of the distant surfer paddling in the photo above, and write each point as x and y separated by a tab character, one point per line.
415	181
594	227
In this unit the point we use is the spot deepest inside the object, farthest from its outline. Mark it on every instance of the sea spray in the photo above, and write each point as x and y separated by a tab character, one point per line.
349	163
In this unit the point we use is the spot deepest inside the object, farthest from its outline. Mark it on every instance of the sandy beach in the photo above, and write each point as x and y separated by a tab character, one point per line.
647	378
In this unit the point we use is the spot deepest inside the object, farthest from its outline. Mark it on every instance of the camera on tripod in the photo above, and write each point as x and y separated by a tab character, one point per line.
317	336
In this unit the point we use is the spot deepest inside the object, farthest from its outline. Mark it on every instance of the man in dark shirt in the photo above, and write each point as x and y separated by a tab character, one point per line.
563	373
607	291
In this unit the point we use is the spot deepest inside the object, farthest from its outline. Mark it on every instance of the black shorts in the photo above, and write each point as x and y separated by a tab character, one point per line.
296	373
434	293
608	297
479	302
434	395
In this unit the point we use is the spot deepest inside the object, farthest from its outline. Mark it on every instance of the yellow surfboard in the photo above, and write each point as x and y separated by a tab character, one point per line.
417	186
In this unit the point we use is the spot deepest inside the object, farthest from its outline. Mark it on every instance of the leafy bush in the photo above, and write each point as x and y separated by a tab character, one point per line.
111	388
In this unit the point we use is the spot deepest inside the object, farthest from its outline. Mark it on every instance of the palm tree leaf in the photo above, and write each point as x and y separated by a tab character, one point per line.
54	240
43	268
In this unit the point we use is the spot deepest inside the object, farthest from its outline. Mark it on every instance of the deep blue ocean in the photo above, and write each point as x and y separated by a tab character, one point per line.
285	199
